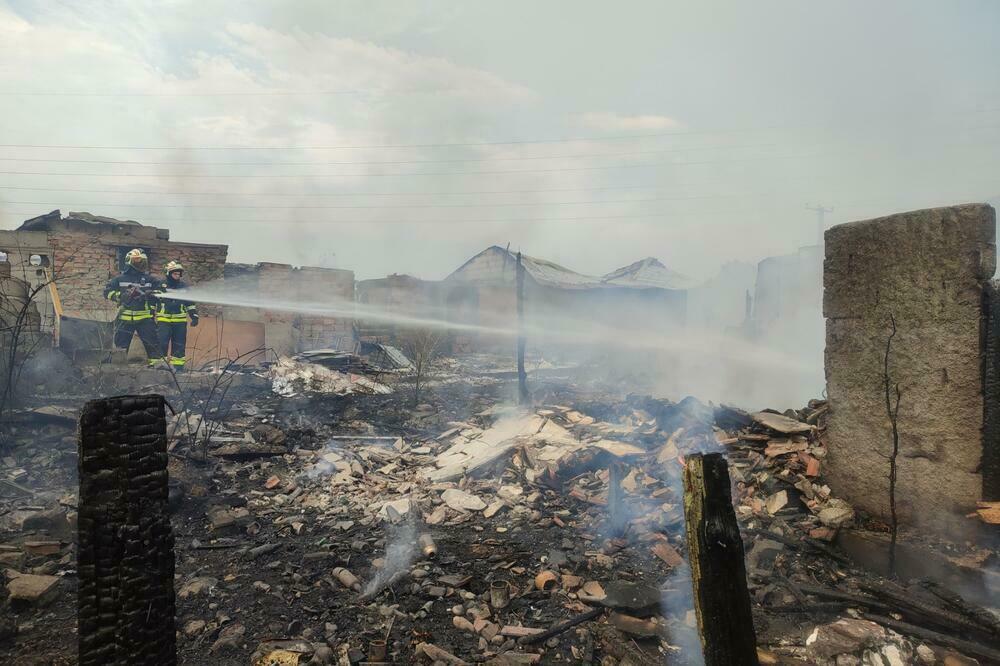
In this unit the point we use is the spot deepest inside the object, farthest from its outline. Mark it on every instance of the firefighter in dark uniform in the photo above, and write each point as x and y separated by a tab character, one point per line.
172	318
134	292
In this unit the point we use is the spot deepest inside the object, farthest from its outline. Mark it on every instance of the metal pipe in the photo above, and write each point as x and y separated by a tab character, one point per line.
376	651
499	593
427	546
347	579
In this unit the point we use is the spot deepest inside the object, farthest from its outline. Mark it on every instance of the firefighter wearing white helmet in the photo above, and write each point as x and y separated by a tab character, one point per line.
172	317
135	293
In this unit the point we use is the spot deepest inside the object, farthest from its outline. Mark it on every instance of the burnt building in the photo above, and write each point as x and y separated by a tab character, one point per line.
66	261
561	301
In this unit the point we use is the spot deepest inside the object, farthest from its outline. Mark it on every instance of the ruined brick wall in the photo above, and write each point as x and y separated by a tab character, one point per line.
273	281
402	295
287	331
85	257
202	263
927	269
325	286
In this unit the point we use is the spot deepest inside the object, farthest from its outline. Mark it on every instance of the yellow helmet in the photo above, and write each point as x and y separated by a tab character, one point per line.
174	266
137	259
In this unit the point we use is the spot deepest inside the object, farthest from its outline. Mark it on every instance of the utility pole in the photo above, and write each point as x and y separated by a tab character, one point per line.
820	220
522	376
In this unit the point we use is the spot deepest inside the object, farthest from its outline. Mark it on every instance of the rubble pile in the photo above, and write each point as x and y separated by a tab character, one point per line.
328	528
290	376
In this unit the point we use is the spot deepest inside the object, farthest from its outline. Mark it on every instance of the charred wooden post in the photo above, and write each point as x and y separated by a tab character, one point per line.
522	376
718	570
616	513
125	603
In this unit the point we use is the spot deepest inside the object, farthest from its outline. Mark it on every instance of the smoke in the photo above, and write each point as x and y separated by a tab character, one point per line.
400	551
326	464
638	341
677	605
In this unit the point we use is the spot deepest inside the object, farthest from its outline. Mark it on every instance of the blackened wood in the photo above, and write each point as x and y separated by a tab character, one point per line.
561	627
848	597
925	613
969	648
718	569
522	376
954	601
616	510
125	603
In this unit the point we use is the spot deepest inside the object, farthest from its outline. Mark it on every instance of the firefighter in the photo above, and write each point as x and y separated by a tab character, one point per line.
172	317
135	293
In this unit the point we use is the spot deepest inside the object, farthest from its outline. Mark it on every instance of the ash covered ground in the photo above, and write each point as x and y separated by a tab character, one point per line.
326	478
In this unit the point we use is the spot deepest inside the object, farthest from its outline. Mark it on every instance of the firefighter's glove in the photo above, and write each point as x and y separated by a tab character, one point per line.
194	321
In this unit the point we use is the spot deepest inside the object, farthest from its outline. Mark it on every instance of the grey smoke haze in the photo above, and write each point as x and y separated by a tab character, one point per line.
640	344
745	113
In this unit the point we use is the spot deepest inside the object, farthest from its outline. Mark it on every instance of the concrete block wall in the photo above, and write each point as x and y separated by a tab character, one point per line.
926	269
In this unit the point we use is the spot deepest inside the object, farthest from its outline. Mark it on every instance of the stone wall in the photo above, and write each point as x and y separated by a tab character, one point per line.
927	270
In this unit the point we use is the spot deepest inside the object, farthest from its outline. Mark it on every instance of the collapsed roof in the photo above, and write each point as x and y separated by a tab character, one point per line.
42	222
648	272
496	264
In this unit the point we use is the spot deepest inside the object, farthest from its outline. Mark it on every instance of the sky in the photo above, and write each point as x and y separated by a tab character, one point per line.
404	137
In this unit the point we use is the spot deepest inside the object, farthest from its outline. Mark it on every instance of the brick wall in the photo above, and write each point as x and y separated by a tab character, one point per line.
86	258
288	331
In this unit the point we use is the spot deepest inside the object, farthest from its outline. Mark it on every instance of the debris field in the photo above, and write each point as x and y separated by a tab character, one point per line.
334	521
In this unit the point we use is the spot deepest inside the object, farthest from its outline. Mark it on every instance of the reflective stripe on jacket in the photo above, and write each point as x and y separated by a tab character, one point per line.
172	310
133	307
135	315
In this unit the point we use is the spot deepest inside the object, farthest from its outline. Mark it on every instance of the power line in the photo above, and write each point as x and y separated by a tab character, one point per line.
423	173
466	144
819	210
257	93
376	162
681	149
432	221
404	206
332	194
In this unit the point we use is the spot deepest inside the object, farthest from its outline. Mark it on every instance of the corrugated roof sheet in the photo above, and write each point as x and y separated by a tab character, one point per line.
648	273
645	274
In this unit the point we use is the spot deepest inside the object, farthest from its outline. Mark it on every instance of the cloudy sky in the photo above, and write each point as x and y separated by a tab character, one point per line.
407	136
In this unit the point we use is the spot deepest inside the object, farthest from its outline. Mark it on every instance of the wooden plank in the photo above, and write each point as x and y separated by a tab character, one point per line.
782	424
718	569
